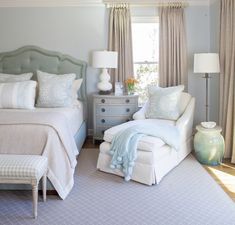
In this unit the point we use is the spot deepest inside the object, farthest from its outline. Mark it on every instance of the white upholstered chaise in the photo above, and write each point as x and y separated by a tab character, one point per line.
25	169
154	158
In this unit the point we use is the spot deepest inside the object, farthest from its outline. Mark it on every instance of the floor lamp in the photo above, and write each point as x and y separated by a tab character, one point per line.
206	63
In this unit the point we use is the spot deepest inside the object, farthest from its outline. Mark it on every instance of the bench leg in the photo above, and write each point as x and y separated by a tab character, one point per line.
44	187
35	200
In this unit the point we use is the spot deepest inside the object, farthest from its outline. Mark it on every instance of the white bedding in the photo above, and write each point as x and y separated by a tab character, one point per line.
73	115
48	132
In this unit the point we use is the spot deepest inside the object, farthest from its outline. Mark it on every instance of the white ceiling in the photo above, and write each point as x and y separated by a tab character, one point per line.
60	3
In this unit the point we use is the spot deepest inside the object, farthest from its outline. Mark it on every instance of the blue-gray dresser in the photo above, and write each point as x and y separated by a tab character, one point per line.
111	110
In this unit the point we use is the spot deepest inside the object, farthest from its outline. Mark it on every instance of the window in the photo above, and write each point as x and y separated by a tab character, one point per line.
145	35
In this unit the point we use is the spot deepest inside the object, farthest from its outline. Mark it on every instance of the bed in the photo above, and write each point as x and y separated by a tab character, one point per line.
57	133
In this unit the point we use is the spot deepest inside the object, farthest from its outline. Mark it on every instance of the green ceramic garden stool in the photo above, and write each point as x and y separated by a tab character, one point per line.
209	145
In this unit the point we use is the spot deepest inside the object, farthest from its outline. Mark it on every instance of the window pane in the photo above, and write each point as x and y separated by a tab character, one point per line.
146	74
146	55
145	42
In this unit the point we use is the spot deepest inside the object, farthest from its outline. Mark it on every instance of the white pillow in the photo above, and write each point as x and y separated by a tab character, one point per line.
8	78
75	88
55	90
19	95
164	103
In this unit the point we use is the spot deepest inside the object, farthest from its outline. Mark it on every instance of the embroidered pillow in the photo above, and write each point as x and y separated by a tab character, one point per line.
164	102
18	95
55	90
8	78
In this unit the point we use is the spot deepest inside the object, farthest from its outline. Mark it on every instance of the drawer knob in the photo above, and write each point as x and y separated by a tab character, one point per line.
103	120
127	110
103	100
127	100
102	110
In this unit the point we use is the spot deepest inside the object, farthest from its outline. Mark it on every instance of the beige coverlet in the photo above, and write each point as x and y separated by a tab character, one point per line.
41	133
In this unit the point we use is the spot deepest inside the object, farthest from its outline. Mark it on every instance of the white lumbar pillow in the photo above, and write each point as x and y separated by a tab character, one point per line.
8	78
18	95
164	103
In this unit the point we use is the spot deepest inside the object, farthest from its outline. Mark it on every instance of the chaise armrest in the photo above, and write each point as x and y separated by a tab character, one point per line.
185	122
140	115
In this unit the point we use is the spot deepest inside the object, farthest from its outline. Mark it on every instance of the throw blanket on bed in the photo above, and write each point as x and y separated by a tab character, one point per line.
41	133
124	144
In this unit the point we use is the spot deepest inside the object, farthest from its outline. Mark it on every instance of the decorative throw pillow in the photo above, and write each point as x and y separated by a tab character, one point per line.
18	95
76	86
55	90
8	78
164	102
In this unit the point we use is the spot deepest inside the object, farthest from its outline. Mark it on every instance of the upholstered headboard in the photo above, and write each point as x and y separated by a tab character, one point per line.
32	58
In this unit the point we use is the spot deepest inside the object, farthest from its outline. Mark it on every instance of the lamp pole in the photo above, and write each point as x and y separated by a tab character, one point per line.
207	95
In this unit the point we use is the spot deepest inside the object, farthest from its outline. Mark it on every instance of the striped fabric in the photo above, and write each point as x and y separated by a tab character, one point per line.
9	78
19	95
22	166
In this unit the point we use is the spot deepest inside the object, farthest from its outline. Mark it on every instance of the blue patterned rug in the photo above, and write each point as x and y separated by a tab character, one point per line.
188	195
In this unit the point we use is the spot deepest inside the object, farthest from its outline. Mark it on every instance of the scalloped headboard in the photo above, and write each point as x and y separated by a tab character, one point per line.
33	58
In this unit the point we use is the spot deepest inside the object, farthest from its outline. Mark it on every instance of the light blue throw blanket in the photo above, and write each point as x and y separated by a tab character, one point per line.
124	144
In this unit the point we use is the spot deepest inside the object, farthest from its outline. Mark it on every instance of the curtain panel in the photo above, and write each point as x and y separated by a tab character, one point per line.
173	67
120	40
227	75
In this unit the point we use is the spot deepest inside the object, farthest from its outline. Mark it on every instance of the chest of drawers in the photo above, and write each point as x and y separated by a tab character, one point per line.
111	110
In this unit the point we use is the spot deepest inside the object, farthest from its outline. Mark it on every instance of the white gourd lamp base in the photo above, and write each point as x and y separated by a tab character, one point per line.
104	85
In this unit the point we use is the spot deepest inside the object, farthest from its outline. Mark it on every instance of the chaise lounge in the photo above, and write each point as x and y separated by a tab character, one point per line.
154	157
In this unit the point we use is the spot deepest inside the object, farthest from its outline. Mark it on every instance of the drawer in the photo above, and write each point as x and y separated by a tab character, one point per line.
116	100
111	121
124	110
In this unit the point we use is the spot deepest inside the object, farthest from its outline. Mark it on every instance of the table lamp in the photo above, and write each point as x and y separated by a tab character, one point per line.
104	60
206	63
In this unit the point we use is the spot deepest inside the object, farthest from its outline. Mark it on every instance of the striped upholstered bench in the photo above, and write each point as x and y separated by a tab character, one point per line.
25	169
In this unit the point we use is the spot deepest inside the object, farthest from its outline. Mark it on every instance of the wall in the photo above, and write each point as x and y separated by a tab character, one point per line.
76	31
214	47
80	30
198	35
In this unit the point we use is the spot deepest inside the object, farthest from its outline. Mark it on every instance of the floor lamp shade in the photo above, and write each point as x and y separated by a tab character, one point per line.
104	60
206	63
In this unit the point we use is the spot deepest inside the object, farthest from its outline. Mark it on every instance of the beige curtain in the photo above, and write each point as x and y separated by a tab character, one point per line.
173	68
227	76
120	40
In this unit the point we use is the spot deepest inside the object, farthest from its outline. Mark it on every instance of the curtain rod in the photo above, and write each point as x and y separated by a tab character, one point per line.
157	4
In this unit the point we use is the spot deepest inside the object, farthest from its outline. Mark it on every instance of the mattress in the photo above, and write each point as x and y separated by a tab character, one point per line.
74	116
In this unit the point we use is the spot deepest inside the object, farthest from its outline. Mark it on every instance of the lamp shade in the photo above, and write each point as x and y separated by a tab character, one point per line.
104	59
206	63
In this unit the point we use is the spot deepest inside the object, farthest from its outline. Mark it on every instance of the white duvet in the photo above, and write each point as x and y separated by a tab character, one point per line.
45	133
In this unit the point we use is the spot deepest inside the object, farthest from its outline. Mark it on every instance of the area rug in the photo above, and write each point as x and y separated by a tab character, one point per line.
186	196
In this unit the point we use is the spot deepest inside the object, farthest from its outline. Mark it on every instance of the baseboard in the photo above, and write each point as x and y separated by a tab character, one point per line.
90	132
